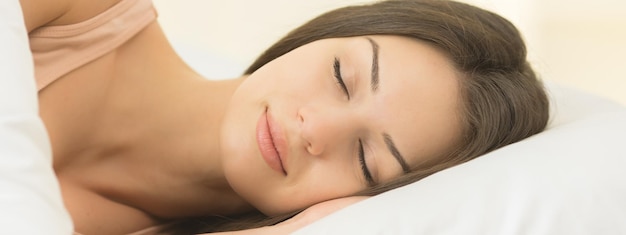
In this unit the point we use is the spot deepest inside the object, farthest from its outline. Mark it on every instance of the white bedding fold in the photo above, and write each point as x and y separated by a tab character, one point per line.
30	198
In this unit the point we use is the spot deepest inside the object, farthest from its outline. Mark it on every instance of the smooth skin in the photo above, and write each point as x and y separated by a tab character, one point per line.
304	218
414	104
139	138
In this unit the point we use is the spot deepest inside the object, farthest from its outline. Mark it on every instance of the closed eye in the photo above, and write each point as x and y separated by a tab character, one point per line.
342	84
366	171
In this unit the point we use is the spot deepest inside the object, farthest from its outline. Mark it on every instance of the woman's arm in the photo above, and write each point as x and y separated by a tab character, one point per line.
40	12
305	218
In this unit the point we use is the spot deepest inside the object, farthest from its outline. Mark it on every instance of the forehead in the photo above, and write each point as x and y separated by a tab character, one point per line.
418	103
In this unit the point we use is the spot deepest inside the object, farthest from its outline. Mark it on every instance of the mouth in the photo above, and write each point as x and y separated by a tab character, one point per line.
270	142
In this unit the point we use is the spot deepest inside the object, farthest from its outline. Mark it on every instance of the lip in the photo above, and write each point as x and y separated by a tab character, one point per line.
271	142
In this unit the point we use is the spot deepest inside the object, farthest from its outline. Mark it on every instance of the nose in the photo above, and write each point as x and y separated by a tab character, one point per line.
324	128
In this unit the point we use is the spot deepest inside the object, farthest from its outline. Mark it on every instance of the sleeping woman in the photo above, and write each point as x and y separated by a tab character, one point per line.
355	102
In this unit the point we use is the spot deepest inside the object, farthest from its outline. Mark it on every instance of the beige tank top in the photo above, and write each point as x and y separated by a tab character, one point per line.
58	50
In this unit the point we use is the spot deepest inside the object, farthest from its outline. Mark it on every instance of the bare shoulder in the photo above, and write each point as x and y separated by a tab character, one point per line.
38	13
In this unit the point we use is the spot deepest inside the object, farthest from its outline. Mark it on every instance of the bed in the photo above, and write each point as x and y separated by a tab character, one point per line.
569	179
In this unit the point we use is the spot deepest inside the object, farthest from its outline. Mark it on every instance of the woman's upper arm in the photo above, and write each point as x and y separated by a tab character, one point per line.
40	12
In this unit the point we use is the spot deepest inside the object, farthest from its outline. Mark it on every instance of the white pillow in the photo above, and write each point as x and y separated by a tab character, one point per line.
30	198
569	179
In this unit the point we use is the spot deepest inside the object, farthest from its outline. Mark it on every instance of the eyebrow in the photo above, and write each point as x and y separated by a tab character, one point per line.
396	154
374	79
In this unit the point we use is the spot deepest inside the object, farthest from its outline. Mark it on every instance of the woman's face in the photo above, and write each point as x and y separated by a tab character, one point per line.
334	116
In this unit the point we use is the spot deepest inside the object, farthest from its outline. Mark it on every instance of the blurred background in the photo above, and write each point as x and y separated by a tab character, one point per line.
576	43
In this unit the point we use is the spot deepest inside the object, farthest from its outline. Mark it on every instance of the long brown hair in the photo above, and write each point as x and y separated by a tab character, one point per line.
502	101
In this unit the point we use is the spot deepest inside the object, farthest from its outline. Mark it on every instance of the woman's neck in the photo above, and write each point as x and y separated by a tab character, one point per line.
178	133
167	136
139	128
165	119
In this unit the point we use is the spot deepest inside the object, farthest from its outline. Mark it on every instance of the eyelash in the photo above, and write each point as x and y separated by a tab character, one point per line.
342	84
366	171
337	68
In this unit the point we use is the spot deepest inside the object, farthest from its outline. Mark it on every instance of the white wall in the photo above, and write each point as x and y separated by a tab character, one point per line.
583	43
578	43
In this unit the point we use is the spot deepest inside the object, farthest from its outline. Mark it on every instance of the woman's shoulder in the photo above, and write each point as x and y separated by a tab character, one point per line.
39	13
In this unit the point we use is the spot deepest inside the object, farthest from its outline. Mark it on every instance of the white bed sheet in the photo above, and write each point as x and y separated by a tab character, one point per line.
30	198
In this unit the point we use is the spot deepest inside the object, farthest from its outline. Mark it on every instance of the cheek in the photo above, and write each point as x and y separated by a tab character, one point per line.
286	84
316	183
253	181
242	173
